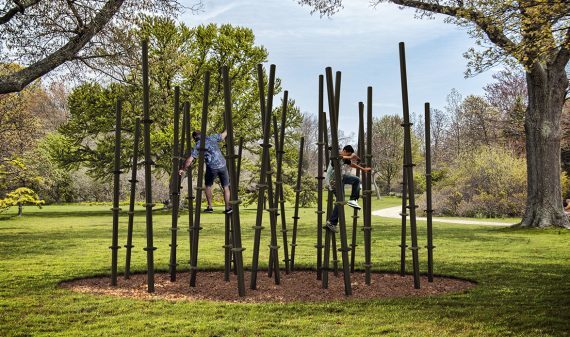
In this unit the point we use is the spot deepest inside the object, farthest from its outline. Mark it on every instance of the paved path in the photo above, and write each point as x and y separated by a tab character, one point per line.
394	212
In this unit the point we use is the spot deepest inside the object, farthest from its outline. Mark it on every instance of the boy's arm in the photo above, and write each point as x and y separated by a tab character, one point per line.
187	163
224	134
365	169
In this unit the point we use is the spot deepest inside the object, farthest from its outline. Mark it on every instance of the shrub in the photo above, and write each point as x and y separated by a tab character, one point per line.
490	182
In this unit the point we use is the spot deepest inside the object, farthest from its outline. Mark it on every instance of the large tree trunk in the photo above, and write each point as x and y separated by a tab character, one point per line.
546	94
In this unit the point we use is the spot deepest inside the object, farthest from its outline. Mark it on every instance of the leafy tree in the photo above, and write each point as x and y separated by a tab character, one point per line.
388	149
14	177
47	34
534	34
180	56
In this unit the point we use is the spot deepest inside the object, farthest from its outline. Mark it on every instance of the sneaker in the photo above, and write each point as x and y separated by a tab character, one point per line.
353	204
228	211
209	210
331	227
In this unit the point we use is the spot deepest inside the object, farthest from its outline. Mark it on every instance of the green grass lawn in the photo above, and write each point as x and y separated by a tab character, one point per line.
523	281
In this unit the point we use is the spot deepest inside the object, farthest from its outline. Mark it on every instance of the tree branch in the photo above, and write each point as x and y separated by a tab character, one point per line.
19	8
19	80
494	34
563	55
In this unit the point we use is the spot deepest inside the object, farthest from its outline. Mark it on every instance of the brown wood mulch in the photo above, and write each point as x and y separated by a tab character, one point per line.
298	286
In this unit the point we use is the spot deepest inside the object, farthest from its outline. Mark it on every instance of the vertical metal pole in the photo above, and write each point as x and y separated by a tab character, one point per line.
320	177
270	197
276	194
297	192
339	186
174	185
182	157
116	178
147	171
262	185
404	214
280	197
236	231
409	165
199	185
240	149
131	212
355	216
189	177
368	190
429	209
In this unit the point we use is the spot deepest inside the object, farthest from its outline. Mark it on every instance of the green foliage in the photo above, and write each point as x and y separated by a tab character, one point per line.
489	183
308	195
178	56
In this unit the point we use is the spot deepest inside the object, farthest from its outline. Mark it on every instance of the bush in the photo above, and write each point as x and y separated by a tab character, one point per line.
490	182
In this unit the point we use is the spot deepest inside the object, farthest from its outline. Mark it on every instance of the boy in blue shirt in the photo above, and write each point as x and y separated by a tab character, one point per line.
215	167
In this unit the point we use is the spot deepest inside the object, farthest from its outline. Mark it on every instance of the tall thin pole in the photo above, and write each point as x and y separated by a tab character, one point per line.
147	171
429	209
404	214
199	185
186	110
409	166
236	230
280	197
320	177
274	247
297	193
355	216
116	181
239	157
131	212
261	186
175	185
338	179
368	190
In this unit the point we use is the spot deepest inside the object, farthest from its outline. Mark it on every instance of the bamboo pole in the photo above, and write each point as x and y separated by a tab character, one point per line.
409	166
147	171
234	201
368	191
175	186
320	178
280	197
116	186
200	183
355	216
297	194
429	209
338	179
261	186
190	197
131	212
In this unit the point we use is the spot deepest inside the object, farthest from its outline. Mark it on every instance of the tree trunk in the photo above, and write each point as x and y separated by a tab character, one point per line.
20	209
546	94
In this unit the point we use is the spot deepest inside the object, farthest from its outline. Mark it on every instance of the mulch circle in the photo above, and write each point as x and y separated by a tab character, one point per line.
298	286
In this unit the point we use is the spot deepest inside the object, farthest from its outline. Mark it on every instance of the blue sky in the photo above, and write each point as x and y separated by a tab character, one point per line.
362	43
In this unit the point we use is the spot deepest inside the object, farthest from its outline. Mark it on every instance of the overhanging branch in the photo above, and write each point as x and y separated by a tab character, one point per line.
20	7
19	80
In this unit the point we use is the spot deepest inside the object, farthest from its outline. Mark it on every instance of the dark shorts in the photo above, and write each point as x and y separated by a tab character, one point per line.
221	172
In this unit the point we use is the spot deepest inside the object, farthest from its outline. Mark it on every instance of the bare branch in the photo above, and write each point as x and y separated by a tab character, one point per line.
19	8
17	81
495	34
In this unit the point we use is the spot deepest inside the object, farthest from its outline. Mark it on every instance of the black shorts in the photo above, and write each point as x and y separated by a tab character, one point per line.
221	172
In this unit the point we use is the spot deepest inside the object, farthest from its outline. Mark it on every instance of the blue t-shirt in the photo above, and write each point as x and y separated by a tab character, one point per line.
213	156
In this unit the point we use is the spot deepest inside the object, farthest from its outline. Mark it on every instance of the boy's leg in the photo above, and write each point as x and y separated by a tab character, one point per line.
208	191
209	181
331	224
225	181
354	181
